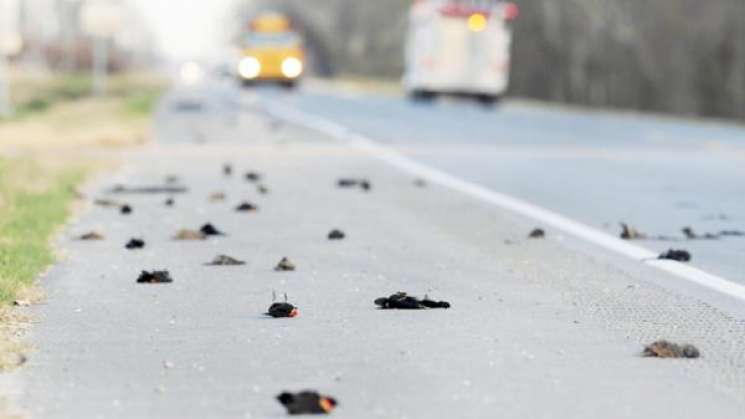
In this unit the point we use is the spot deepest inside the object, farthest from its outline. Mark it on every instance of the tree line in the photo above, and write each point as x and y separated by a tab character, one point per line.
683	57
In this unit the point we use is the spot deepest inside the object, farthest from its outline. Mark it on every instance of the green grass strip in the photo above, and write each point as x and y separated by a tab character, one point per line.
29	216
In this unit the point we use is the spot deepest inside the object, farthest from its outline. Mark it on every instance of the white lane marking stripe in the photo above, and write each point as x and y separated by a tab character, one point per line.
507	202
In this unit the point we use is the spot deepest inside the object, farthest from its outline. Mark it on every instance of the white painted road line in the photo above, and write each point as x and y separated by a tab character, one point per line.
507	202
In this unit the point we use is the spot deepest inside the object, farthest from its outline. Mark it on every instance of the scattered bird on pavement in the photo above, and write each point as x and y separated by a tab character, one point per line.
168	189
537	234
284	265
363	184
253	176
154	277
170	202
336	235
692	235
225	260
135	244
227	169
171	179
420	183
403	301
93	235
281	310
732	233
125	209
217	196
210	230
676	255
307	402
262	189
630	233
108	203
186	234
665	349
246	207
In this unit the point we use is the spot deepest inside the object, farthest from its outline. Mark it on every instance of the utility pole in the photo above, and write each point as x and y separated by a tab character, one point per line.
100	19
10	44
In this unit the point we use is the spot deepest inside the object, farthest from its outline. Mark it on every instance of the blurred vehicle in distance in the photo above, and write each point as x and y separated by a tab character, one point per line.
272	51
191	72
459	47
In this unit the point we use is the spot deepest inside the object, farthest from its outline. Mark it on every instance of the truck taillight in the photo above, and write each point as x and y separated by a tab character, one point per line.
511	11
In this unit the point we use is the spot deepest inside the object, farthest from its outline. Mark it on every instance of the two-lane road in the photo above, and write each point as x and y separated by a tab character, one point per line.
657	174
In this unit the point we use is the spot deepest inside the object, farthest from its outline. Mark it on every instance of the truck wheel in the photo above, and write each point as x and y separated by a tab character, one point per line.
488	100
422	96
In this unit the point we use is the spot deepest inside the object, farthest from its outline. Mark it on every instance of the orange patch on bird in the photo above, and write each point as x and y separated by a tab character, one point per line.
327	404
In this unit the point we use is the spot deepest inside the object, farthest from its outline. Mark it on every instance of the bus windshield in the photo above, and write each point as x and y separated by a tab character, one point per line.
272	39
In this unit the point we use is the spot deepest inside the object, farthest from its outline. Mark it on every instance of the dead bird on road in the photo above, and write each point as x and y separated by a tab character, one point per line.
692	235
537	234
186	234
210	230
246	207
676	255
403	301
145	190
630	233
282	310
225	260
307	402
217	197
336	234
420	183
92	236
665	349
154	277
107	203
732	233
253	176
284	265
363	184
135	244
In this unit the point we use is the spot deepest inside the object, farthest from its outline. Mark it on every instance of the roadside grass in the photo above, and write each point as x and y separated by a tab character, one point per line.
34	201
32	94
58	136
47	150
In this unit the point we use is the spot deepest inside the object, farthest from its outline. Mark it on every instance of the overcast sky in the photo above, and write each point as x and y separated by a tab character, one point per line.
188	28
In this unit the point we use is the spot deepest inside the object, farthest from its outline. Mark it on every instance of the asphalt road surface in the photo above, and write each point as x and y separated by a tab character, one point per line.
658	175
548	328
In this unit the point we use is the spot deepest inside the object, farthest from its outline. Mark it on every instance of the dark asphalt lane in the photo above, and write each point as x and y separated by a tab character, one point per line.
601	168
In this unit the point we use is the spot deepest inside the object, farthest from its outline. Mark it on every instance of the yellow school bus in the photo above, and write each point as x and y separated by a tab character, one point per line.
272	51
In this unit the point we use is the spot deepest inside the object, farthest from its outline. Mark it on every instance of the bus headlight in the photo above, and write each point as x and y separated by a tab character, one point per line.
292	67
249	68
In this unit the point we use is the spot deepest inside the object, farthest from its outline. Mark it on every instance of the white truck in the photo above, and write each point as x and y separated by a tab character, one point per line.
459	47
